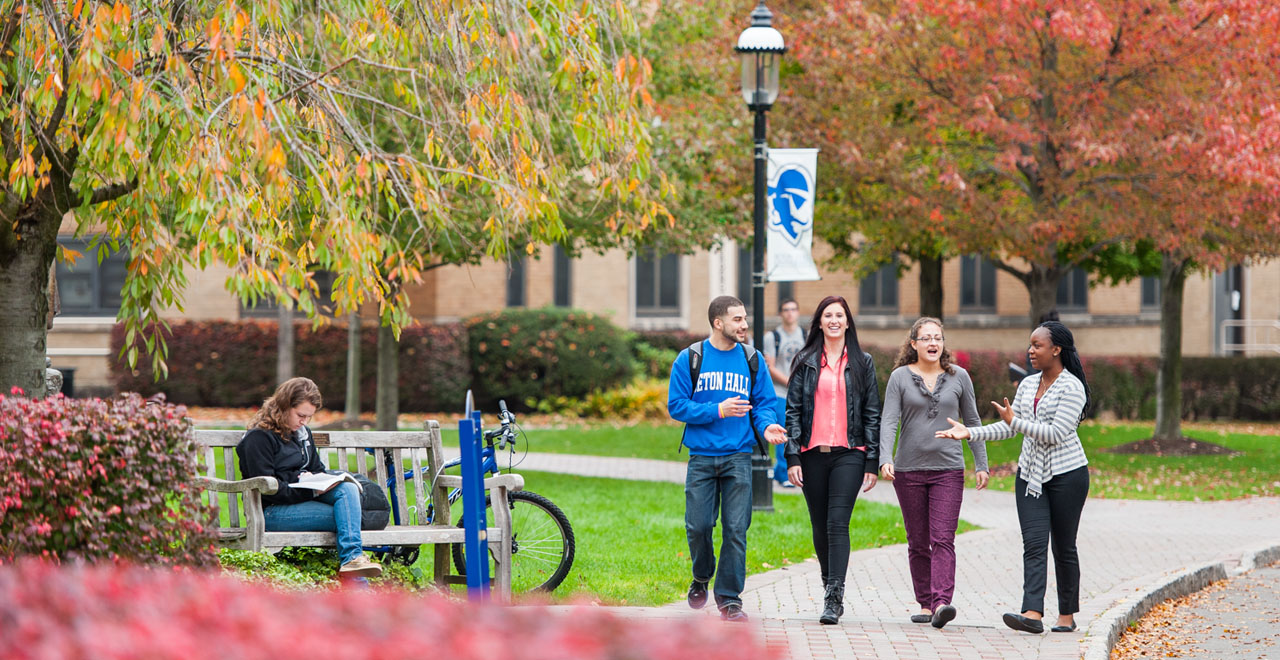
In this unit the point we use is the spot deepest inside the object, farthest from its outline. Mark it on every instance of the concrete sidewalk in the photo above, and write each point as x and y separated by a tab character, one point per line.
1125	546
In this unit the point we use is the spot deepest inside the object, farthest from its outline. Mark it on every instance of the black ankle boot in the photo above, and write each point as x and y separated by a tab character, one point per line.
833	605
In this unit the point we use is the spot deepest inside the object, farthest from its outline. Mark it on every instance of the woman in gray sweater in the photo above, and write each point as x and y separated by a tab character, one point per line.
928	472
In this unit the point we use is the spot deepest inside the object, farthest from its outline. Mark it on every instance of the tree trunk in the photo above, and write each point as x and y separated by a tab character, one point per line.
1173	280
1042	285
930	287
27	249
388	403
284	340
353	367
24	280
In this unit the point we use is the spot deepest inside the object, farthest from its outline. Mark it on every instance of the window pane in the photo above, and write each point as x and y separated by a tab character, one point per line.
111	274
744	276
561	278
968	283
1150	292
889	287
867	291
515	283
75	290
670	281
988	292
646	279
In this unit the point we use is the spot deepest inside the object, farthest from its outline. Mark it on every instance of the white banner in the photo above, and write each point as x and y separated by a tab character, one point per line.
792	176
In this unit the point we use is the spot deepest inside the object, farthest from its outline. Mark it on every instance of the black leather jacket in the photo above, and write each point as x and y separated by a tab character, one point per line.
863	406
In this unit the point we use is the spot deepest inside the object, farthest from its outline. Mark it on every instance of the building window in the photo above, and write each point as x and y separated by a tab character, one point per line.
878	292
786	290
977	284
1150	293
745	294
657	284
515	283
89	288
1073	291
269	307
562	278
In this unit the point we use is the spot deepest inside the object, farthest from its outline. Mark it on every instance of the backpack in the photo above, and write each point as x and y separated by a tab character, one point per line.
777	338
695	368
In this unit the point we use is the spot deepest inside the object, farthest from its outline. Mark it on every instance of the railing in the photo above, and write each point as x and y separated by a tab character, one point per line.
1255	336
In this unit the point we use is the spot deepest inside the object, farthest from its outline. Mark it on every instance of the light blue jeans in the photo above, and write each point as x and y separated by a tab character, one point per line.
719	487
335	511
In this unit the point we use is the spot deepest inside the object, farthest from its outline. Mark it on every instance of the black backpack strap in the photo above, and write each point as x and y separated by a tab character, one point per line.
753	364
695	368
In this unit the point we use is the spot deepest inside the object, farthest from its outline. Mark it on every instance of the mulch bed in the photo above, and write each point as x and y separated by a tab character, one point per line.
1183	446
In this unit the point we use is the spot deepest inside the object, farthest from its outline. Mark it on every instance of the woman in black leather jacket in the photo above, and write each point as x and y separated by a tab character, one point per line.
833	437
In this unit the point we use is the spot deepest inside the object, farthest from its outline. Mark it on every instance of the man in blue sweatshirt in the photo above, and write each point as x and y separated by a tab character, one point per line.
719	412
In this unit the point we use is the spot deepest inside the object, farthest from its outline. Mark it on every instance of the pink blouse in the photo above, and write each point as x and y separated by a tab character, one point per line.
830	417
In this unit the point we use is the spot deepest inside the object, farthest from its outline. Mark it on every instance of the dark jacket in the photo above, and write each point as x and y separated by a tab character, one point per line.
264	453
863	406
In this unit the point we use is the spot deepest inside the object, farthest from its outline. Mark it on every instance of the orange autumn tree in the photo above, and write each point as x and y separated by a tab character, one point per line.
1025	130
371	139
1043	132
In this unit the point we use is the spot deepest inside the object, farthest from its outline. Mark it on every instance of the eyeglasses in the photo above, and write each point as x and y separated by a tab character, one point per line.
931	338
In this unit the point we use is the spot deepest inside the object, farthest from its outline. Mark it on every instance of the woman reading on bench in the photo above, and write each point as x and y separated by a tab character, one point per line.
278	444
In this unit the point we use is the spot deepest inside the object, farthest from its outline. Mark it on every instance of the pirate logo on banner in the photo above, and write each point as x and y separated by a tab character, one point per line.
792	177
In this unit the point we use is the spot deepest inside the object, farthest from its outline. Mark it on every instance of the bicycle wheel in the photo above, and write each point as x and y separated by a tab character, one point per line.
541	544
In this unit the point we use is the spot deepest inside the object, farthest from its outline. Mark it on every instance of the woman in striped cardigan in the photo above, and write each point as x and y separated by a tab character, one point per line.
1053	473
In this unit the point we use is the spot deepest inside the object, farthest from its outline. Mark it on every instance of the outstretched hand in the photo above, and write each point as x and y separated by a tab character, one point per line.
775	434
1005	411
957	431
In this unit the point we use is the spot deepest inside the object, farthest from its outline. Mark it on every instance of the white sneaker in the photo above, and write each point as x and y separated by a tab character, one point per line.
361	566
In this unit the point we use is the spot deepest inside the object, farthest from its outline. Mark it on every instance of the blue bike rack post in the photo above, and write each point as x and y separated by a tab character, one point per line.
473	509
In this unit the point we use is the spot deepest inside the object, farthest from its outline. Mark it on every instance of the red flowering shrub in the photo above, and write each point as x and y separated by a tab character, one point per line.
94	479
106	611
233	363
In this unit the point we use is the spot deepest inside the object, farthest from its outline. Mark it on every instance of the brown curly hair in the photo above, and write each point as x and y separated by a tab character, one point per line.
291	393
907	354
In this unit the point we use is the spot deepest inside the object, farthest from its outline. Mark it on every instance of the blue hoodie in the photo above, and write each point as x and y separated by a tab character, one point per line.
724	375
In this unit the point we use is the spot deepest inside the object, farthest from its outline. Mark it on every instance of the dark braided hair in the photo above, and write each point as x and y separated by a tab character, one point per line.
1063	339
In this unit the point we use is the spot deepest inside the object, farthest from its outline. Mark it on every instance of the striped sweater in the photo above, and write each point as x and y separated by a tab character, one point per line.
1050	444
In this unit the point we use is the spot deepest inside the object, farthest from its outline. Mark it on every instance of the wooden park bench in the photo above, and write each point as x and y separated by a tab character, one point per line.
345	450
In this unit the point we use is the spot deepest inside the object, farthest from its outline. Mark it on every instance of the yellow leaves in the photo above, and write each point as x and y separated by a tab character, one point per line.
157	40
478	131
529	249
120	13
77	9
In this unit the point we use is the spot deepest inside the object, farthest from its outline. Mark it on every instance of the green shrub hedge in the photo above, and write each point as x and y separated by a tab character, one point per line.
531	354
230	363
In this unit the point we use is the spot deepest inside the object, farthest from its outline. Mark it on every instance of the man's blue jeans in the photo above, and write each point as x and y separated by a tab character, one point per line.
780	460
335	511
719	486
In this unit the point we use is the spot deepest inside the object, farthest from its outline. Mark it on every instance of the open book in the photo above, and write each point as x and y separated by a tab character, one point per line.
322	481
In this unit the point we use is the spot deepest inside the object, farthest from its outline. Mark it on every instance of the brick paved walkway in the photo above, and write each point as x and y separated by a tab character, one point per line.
1124	546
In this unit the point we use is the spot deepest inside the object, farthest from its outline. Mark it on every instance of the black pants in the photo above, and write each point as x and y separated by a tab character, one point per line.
1054	515
831	483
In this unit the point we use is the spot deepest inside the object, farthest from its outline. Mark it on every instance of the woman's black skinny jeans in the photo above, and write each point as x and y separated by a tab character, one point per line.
831	483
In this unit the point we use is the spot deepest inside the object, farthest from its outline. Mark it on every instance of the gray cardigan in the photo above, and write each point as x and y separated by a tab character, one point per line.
921	413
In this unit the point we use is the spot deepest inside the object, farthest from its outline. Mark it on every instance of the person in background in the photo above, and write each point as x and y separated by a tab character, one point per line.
780	348
1053	472
924	390
278	444
722	409
833	438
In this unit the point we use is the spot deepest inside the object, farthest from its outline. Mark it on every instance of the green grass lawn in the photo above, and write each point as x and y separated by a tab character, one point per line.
1255	470
631	547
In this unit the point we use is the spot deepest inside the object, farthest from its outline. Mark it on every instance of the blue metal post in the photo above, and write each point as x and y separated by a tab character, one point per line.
473	508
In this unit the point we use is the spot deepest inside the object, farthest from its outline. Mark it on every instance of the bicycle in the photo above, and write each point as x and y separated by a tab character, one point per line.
542	542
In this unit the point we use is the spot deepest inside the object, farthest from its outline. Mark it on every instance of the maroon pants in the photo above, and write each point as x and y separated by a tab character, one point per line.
930	501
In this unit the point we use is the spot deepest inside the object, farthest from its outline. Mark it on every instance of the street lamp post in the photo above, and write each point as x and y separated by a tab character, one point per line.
761	48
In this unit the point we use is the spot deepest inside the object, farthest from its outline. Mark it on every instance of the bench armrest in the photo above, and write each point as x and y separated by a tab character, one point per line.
508	481
267	485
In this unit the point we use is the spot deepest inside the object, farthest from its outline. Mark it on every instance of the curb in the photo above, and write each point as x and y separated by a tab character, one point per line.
1107	628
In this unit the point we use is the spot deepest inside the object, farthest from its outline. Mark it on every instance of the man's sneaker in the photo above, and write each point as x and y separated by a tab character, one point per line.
698	595
361	566
733	612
